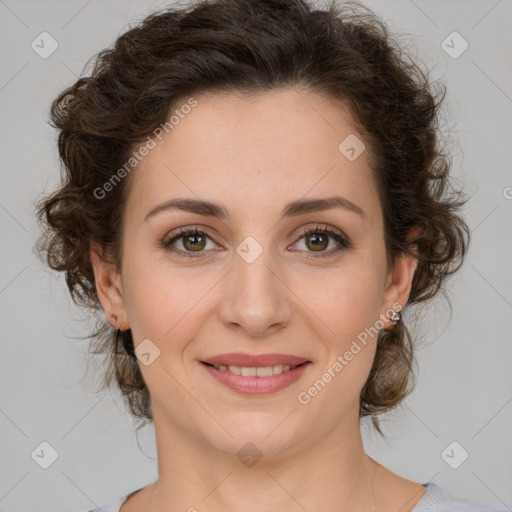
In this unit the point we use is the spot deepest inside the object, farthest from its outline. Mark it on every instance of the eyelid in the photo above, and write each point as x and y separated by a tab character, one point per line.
332	232
321	228
339	236
179	233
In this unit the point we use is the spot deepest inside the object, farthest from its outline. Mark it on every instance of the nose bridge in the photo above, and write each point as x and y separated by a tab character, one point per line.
257	298
252	269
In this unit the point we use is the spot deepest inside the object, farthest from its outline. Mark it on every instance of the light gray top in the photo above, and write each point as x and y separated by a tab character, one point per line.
434	500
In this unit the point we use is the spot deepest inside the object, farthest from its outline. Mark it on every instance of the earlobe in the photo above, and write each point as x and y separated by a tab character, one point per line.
108	288
400	279
399	284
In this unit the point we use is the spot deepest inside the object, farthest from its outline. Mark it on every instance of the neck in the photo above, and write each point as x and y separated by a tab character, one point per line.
330	473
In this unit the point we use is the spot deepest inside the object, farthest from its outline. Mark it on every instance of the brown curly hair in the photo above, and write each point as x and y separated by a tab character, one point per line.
344	52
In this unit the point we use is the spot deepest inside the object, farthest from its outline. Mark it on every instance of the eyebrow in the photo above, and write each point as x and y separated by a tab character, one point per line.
292	209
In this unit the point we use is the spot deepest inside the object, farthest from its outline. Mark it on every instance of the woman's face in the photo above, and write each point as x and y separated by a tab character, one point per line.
252	282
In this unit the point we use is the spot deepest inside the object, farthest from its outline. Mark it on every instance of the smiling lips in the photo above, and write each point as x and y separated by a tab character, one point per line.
255	360
256	374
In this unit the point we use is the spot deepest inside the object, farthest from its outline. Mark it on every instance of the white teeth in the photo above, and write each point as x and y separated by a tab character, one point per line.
248	371
265	371
277	369
253	371
235	369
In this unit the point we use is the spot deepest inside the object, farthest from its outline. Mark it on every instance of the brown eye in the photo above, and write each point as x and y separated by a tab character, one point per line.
317	241
193	243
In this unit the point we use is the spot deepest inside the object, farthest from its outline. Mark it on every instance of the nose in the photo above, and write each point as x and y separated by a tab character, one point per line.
256	298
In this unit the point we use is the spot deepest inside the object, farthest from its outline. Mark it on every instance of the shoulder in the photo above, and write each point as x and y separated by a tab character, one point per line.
438	500
113	506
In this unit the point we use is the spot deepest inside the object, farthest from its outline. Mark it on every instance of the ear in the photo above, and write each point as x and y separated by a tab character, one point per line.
109	289
399	281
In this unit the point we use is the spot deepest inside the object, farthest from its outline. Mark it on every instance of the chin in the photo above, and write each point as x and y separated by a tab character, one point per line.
263	437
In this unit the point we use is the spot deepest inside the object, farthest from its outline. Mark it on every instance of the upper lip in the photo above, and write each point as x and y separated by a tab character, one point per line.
237	359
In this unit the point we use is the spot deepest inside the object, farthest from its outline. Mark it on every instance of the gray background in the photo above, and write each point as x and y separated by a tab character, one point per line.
464	389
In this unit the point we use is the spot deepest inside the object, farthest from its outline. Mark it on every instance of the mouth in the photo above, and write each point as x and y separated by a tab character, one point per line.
256	380
255	371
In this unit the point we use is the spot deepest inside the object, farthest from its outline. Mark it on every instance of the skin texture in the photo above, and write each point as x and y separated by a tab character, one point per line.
253	156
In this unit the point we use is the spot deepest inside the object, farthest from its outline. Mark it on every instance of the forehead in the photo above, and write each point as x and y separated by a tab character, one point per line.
242	149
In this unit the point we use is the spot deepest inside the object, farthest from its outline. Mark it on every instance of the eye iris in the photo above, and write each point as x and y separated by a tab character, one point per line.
195	245
318	245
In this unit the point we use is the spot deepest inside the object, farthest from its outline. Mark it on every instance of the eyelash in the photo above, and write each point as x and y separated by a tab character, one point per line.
344	242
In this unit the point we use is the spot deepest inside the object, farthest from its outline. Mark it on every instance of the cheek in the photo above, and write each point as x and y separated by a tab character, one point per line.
344	305
167	305
347	301
155	300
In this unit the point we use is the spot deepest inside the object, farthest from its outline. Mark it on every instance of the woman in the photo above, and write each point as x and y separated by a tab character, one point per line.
254	193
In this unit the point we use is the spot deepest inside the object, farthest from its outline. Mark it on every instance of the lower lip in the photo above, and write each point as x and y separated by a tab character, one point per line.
256	385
